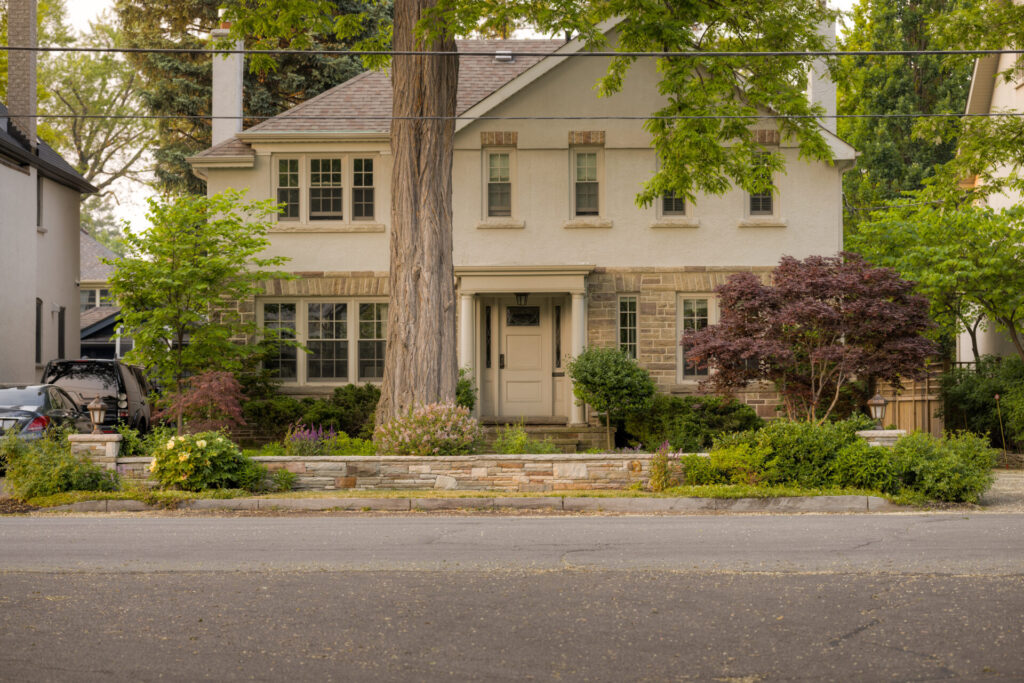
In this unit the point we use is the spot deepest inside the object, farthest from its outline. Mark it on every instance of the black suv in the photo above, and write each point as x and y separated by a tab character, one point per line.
122	387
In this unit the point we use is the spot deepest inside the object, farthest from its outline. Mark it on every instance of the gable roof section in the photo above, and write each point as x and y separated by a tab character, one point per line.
983	84
90	253
50	164
369	96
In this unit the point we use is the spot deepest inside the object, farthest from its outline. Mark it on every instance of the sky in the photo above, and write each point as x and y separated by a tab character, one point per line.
133	210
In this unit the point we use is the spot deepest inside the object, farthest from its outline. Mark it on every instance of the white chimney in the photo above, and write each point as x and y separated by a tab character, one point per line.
821	89
21	67
228	72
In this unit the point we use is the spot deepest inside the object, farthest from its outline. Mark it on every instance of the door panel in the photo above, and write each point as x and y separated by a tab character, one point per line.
525	379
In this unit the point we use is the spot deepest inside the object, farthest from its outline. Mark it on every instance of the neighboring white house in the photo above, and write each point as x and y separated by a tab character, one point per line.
98	310
40	196
990	92
551	252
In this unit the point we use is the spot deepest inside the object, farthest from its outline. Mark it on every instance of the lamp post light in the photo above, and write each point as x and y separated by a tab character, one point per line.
876	404
97	413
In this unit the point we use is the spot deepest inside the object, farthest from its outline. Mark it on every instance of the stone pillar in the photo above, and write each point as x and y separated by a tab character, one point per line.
882	437
101	449
579	339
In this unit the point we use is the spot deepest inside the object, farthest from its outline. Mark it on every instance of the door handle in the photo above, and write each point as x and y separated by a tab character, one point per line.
501	361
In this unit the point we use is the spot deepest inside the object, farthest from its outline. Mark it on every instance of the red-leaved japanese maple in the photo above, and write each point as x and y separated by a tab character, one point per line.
821	323
209	401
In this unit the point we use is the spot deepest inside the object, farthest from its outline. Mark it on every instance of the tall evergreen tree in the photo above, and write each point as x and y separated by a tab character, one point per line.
893	160
179	84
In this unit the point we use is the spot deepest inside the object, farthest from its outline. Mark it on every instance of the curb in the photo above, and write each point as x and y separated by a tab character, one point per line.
554	503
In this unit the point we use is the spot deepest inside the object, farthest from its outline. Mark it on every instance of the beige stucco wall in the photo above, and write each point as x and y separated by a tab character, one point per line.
35	263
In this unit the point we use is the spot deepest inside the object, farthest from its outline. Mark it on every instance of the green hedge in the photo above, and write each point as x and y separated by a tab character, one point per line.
968	400
350	409
689	423
955	468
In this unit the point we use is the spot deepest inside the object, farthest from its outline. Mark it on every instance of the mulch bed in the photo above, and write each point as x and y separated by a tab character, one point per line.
10	506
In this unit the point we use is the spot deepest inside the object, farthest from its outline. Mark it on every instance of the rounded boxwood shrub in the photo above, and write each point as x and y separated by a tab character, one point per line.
207	460
431	429
861	466
955	468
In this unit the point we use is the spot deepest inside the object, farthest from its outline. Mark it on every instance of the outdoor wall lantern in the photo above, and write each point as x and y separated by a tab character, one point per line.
521	298
877	406
97	412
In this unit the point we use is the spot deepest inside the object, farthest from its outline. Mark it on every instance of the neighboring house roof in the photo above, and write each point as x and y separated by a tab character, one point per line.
95	319
983	85
50	164
369	95
91	267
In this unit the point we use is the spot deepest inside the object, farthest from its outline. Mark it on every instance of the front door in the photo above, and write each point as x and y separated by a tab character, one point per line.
524	367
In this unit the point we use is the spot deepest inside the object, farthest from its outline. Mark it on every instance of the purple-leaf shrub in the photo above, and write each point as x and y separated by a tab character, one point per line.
820	324
431	429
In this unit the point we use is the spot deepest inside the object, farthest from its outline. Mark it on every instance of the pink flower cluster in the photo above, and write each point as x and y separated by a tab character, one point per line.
431	429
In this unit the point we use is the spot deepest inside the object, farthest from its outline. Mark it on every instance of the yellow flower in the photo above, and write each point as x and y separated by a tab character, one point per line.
183	457
201	443
170	445
152	466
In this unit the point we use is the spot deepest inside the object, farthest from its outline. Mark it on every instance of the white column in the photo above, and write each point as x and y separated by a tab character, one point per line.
467	354
579	338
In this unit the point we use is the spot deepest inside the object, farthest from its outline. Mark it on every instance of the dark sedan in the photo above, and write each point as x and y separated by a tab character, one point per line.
29	411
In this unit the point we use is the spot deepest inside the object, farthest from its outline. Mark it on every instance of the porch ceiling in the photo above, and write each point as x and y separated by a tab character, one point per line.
528	279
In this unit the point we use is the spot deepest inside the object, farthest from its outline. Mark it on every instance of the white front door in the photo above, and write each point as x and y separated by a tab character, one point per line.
524	366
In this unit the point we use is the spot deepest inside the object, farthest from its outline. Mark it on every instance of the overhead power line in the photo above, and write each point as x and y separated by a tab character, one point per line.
369	117
515	53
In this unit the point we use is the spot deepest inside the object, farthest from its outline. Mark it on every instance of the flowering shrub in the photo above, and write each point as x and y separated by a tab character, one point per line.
432	429
207	460
305	441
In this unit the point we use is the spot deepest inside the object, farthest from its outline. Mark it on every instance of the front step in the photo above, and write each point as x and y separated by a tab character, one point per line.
568	439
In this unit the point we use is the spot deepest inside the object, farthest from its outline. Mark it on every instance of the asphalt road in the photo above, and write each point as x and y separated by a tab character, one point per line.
738	598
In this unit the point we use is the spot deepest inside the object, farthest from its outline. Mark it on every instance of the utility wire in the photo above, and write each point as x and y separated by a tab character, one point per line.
514	53
371	117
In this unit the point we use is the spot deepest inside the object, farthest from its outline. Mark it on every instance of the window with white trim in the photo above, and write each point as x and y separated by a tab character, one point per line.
499	184
312	188
673	204
693	312
332	353
627	325
761	203
586	188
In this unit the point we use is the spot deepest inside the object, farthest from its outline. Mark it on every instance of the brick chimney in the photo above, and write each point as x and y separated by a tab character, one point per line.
821	89
228	73
21	67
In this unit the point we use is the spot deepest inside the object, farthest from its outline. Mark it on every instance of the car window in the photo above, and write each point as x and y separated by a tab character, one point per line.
62	400
84	379
25	396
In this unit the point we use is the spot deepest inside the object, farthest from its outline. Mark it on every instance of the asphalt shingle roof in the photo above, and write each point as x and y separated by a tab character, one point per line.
89	254
369	95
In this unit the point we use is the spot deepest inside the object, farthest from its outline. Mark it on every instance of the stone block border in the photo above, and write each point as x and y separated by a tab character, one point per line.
540	503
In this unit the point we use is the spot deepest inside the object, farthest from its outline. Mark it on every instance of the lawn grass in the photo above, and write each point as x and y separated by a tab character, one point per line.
161	498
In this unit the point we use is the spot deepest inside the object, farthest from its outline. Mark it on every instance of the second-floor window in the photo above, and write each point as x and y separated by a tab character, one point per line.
627	325
672	204
585	183
499	184
313	188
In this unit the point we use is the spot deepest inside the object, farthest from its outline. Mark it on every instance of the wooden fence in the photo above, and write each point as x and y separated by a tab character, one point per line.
914	407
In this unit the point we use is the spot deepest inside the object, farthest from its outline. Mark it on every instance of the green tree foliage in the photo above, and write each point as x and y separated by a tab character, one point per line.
180	84
611	383
893	159
968	260
179	283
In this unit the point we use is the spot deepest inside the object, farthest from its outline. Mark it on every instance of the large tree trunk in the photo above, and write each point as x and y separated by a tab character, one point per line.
420	362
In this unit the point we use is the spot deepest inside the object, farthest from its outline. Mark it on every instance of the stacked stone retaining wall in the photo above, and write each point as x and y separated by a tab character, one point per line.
511	473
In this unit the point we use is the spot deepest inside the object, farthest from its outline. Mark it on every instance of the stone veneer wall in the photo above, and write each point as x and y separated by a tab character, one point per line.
657	290
511	473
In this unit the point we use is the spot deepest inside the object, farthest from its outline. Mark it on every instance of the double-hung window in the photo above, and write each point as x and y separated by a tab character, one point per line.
325	190
373	326
341	340
694	312
288	189
761	203
499	184
585	183
672	204
311	189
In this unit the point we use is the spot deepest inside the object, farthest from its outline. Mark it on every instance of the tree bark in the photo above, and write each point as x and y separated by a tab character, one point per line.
420	360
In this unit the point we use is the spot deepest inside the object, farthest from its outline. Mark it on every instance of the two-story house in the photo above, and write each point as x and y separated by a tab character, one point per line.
551	252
